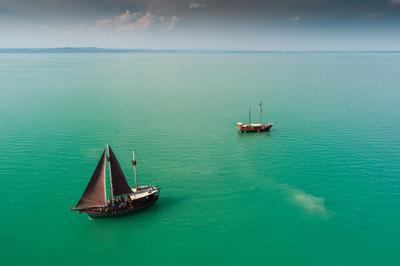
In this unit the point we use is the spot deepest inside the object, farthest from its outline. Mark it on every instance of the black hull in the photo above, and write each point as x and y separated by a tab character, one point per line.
121	211
244	128
255	130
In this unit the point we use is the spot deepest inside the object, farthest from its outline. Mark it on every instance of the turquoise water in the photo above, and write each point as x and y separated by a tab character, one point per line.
322	188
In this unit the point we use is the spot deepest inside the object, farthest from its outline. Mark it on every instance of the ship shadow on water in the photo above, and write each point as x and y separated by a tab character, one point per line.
254	135
166	203
112	232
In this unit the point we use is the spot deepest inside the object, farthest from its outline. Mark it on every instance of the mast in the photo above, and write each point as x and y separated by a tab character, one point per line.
109	169
105	175
261	108
249	115
134	168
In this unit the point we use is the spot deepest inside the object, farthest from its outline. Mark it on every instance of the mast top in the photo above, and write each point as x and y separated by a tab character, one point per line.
133	157
134	169
249	114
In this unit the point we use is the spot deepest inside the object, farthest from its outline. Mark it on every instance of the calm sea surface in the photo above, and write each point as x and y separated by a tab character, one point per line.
322	188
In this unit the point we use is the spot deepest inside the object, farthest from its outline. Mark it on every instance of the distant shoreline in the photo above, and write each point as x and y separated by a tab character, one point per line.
116	50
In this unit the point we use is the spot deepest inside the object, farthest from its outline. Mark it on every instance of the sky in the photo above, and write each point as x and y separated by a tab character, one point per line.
202	24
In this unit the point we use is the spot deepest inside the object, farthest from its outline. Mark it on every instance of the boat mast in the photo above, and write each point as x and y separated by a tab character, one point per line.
249	115
105	178
261	108
109	168
134	168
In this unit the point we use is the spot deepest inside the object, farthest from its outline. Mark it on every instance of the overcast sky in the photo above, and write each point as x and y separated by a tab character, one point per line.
202	24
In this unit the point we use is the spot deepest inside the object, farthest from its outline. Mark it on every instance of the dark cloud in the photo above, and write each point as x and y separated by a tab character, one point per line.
340	8
229	12
192	21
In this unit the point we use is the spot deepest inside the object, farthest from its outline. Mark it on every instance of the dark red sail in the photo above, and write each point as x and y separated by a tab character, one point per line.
95	192
119	184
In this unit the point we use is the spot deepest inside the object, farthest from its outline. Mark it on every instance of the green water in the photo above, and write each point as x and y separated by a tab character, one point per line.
322	188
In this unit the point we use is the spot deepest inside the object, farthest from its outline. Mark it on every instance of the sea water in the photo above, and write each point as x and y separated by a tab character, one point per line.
321	188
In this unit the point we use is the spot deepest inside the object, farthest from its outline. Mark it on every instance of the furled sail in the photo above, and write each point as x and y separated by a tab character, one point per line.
95	192
119	184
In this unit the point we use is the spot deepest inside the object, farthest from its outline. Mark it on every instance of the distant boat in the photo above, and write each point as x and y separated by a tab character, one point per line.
124	199
254	127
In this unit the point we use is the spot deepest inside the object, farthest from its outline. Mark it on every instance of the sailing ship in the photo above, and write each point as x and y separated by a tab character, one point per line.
254	127
124	199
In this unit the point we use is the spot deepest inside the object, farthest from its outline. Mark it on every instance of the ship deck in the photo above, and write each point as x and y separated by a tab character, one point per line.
143	192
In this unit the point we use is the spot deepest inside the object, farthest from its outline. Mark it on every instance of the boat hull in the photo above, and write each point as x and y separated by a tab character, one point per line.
114	212
254	128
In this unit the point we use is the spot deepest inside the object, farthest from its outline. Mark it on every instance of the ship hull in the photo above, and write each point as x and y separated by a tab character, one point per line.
252	129
115	212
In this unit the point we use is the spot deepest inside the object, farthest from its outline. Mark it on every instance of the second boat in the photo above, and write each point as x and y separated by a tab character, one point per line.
254	127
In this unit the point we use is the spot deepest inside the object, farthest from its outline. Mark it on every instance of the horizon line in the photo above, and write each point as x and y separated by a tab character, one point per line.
128	50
